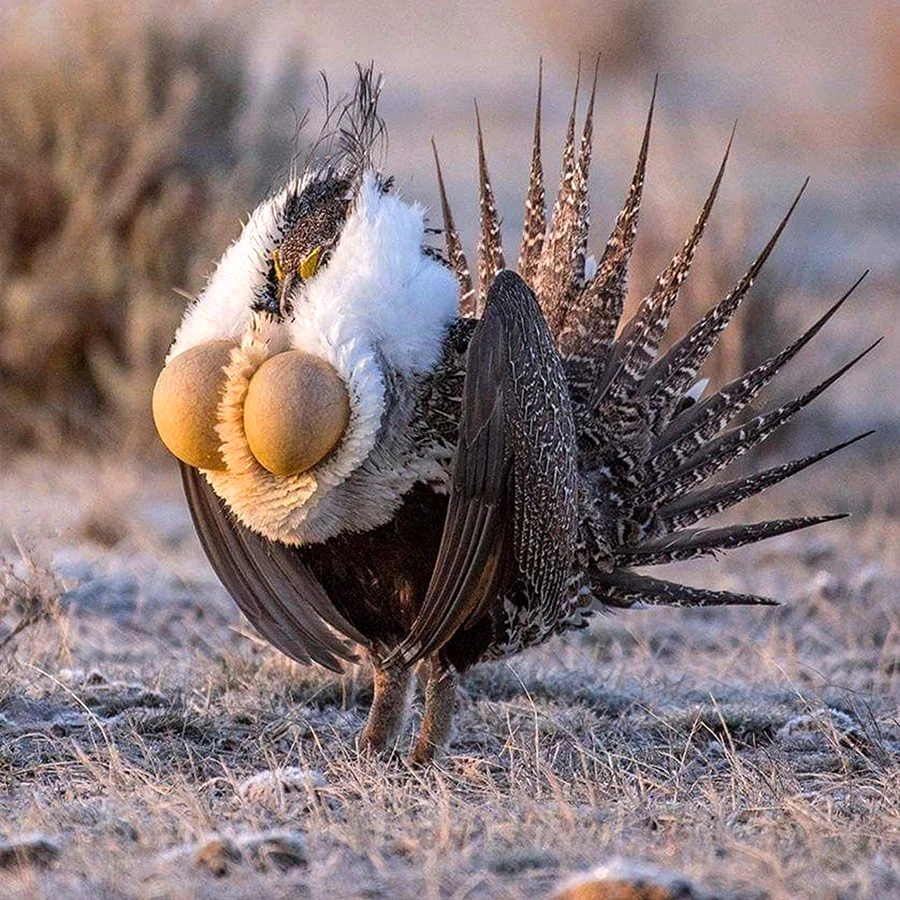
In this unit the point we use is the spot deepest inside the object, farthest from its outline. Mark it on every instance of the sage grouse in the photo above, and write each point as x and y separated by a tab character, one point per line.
383	457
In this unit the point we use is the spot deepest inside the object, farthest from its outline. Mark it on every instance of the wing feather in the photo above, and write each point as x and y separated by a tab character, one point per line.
270	583
512	512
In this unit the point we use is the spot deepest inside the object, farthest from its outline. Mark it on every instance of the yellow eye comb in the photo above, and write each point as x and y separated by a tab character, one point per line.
310	263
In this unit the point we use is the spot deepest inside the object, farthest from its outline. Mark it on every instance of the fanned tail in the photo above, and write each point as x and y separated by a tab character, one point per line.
703	420
667	481
648	444
637	346
689	508
668	379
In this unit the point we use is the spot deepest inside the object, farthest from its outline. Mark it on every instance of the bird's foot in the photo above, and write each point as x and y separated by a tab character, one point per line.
437	723
388	713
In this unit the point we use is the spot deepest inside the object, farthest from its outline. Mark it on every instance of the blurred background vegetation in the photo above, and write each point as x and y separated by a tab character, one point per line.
126	163
135	137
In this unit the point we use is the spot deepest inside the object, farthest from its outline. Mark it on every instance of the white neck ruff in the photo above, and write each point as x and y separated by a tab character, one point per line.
378	312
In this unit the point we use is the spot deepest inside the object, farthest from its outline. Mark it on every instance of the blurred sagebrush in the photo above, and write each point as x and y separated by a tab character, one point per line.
133	139
124	169
29	594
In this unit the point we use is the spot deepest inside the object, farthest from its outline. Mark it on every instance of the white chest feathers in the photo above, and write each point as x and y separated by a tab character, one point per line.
378	313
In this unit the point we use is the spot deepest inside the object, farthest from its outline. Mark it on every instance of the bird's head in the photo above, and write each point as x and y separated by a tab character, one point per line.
290	365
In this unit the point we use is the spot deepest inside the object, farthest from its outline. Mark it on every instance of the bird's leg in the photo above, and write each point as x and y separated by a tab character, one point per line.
389	708
423	670
440	705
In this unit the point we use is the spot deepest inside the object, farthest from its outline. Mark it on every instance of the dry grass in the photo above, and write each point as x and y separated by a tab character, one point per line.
29	595
754	751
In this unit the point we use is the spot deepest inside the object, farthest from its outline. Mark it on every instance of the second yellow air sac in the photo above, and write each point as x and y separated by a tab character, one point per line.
296	412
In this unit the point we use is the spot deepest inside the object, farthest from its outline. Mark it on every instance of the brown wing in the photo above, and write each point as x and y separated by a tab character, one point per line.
511	519
269	582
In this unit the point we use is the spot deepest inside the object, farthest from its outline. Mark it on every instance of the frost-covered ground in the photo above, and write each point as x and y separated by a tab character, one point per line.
755	752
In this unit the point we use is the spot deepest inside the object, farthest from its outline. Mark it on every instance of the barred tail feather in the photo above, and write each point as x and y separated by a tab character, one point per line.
560	270
691	543
582	198
694	507
667	484
638	344
455	255
667	379
702	421
490	245
626	590
590	323
535	200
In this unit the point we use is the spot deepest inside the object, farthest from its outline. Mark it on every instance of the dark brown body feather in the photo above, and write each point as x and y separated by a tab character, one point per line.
376	581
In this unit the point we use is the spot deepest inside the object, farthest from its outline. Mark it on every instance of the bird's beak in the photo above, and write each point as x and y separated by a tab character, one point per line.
287	278
296	408
284	291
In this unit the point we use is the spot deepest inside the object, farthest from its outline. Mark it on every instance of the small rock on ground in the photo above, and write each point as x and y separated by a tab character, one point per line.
279	850
626	880
28	850
284	785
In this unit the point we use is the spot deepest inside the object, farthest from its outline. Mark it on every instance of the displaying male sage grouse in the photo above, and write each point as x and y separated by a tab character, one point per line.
381	457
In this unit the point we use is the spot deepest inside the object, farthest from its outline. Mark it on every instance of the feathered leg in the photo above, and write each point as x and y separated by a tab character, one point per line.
440	705
389	707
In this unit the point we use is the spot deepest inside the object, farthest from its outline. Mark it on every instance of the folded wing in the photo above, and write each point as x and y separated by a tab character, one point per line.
512	517
270	583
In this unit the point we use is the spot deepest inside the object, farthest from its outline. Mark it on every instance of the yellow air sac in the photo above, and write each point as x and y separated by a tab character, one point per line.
296	412
185	400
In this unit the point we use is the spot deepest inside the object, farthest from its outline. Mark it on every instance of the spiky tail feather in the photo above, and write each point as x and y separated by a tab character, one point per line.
647	442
